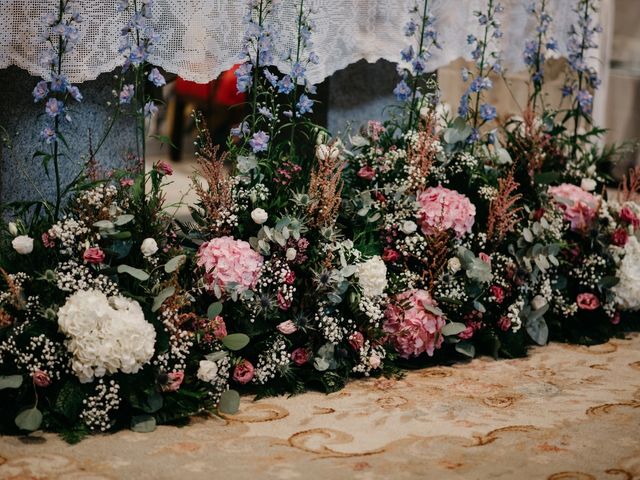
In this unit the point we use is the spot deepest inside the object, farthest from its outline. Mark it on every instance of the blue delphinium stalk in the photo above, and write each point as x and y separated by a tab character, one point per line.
257	54
487	59
536	50
585	80
62	34
420	29
265	85
138	41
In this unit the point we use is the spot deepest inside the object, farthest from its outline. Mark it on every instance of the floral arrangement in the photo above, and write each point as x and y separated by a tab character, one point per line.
431	237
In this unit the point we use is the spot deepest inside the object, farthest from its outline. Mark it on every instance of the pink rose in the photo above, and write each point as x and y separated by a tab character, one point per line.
504	323
164	168
174	380
93	255
367	173
300	356
287	327
485	258
41	379
228	262
579	207
413	329
356	340
379	196
620	237
444	209
126	182
219	328
467	333
283	302
390	255
587	301
374	361
290	277
244	371
498	293
629	216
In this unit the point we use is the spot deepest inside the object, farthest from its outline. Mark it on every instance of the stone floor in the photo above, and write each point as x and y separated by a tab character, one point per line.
565	413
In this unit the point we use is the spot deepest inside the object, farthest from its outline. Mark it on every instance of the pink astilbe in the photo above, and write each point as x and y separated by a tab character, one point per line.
411	325
503	212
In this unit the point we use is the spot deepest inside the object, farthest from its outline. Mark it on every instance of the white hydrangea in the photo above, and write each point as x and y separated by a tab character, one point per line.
627	291
105	335
372	276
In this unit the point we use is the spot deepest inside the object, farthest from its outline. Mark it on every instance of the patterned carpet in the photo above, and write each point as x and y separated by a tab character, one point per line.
564	413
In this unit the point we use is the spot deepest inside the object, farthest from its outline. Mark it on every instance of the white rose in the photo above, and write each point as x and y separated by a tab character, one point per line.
259	216
408	227
208	371
372	276
291	254
23	244
454	265
149	247
13	229
588	184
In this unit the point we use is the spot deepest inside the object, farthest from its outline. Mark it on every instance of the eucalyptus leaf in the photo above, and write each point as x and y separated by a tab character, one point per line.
235	341
134	272
161	297
229	402
214	310
538	330
29	420
153	403
143	423
453	328
104	225
466	348
175	263
10	381
123	220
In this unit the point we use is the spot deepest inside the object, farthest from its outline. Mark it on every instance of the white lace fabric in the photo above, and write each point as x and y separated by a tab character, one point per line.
202	38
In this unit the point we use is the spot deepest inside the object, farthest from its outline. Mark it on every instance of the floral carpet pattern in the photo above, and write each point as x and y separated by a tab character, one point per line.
567	412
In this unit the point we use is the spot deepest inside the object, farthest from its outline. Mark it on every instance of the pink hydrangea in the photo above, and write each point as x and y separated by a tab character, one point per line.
230	263
444	209
411	327
579	207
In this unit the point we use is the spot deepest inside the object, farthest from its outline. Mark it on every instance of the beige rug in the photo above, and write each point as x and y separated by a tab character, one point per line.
564	413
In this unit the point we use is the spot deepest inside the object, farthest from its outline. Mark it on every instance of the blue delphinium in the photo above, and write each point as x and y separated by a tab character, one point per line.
487	59
259	142
420	29
61	35
536	50
582	37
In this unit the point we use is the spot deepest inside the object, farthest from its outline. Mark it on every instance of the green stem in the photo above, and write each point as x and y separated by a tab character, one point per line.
420	51
576	124
256	72
295	82
482	61
538	83
56	163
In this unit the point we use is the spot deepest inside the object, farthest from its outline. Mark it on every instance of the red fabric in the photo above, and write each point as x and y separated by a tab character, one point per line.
225	91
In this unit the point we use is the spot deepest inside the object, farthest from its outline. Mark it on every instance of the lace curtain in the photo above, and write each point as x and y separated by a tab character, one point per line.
201	38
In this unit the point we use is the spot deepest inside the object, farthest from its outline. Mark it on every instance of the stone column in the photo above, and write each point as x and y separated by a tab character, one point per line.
22	176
